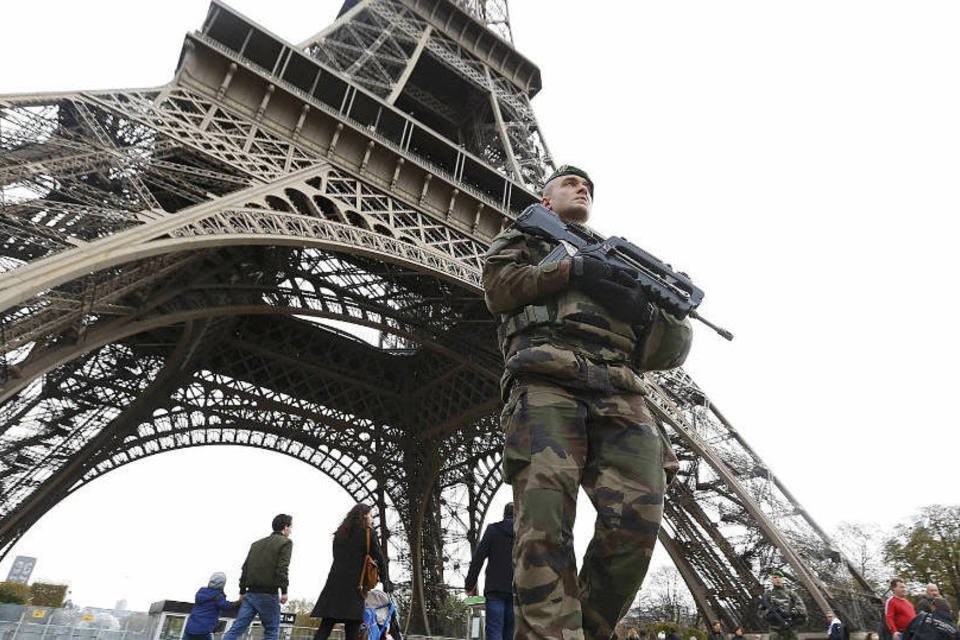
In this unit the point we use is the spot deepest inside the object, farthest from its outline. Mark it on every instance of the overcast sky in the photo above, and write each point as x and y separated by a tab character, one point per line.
800	160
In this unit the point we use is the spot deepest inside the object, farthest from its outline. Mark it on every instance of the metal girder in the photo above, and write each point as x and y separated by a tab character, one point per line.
751	520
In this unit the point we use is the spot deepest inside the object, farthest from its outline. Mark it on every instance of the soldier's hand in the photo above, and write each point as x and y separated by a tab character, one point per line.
586	271
615	288
628	303
283	599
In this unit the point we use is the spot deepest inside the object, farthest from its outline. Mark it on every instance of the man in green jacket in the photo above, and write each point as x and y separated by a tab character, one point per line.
265	572
575	335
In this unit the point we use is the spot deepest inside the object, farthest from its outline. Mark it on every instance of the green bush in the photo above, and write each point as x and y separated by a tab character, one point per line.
304	620
14	593
43	594
451	619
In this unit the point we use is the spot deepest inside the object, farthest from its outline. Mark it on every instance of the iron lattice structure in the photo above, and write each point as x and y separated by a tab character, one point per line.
281	248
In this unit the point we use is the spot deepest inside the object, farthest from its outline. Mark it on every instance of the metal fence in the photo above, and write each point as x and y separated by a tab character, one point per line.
22	622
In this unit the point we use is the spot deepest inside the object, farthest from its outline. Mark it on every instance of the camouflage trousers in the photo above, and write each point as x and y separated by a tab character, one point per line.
556	441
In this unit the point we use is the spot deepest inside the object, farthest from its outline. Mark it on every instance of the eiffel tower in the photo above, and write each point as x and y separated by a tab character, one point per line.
281	248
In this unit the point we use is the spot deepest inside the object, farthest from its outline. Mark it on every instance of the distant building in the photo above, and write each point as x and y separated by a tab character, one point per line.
21	569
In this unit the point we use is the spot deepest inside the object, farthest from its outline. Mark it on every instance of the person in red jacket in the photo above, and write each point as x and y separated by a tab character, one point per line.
898	612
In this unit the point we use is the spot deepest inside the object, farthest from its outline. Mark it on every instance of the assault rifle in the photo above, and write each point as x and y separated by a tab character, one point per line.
670	290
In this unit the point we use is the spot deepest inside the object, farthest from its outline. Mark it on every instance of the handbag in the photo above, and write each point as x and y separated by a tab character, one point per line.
369	576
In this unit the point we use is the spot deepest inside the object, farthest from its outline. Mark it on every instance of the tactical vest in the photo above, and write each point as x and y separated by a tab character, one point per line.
572	340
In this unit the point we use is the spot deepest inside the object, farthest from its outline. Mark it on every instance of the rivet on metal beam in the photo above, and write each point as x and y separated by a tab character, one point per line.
227	79
366	155
335	139
426	185
396	172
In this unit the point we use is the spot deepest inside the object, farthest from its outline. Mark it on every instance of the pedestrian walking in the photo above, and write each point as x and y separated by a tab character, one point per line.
208	603
343	595
265	573
496	549
925	603
835	628
898	612
936	624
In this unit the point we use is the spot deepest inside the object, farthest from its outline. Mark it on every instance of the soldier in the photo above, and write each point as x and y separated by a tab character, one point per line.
782	608
574	335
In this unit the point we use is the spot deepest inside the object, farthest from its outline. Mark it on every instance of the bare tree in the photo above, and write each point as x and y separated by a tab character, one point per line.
862	544
666	598
298	605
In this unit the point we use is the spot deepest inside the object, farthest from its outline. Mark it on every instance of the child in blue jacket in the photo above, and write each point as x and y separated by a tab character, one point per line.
207	605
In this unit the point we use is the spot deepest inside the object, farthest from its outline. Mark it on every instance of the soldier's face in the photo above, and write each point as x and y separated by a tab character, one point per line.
568	197
777	581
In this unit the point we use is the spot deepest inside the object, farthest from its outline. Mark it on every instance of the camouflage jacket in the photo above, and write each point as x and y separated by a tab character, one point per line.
551	330
784	603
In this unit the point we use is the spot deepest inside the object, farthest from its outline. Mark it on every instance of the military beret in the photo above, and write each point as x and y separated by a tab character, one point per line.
570	170
777	572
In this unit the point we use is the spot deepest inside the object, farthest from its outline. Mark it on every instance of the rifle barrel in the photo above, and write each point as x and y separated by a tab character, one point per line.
723	332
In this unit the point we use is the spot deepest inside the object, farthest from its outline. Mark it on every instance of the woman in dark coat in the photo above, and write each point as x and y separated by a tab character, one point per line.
342	597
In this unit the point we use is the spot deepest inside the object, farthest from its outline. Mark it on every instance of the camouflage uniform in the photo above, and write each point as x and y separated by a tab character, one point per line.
785	613
574	415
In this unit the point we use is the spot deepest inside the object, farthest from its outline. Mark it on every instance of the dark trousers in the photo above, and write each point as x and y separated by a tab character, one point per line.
499	610
351	629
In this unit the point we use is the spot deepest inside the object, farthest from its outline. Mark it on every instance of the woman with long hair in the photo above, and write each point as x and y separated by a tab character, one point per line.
343	594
